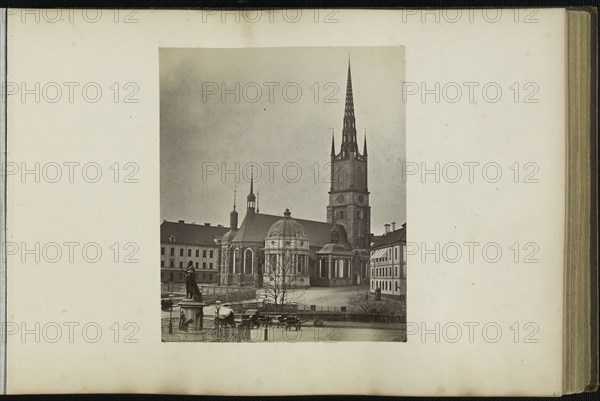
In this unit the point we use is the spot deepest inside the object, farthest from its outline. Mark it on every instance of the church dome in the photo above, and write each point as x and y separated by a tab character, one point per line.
286	227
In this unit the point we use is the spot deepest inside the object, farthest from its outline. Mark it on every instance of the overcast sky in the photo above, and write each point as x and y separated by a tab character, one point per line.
282	113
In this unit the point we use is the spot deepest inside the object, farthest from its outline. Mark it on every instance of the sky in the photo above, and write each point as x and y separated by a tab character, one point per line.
227	112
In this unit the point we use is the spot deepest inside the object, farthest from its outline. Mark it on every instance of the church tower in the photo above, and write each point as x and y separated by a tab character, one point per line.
348	194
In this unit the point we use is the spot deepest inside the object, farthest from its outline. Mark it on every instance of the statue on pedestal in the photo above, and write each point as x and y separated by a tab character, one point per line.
191	286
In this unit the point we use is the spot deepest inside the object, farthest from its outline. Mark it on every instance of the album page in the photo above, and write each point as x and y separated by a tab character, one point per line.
325	201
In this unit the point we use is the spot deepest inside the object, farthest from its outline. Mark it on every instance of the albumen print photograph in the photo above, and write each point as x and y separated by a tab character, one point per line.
283	206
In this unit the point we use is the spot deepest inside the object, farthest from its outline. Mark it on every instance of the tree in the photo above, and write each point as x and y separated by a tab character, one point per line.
368	304
281	279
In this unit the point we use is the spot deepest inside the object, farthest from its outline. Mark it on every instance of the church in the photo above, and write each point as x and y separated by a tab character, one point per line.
266	248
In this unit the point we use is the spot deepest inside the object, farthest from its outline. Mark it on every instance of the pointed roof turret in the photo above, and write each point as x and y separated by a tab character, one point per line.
234	196
233	216
251	196
365	144
251	199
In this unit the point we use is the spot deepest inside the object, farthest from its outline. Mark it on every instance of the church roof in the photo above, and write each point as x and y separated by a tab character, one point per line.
341	246
255	228
229	235
338	249
187	233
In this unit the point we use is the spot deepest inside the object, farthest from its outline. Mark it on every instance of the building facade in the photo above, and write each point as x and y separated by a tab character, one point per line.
388	263
181	242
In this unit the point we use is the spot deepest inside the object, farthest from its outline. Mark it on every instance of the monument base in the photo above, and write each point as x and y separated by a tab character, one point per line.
191	314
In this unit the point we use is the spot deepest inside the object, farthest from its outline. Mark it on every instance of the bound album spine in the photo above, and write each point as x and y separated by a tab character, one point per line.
3	201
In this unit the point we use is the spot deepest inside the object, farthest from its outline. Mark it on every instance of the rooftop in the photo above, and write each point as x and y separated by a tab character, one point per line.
190	233
393	237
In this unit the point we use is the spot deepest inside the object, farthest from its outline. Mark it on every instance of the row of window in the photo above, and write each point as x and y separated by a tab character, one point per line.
172	264
189	252
383	271
387	271
384	285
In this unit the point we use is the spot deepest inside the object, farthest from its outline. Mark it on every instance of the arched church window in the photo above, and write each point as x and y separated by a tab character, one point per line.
248	261
236	261
341	214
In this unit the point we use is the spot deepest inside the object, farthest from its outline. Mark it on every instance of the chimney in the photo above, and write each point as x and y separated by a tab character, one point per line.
219	225
393	226
207	224
182	221
387	228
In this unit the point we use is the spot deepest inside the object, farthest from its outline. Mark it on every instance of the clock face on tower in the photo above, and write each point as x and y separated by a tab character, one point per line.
340	198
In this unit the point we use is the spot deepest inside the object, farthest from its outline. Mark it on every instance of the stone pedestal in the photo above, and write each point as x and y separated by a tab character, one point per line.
194	313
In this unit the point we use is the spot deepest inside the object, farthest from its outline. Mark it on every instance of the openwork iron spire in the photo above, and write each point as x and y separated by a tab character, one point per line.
349	145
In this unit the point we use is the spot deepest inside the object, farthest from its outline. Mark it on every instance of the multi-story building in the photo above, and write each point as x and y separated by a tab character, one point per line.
181	242
388	262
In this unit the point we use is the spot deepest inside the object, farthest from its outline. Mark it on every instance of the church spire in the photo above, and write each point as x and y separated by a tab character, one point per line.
252	181
233	216
349	146
251	199
365	144
234	196
332	145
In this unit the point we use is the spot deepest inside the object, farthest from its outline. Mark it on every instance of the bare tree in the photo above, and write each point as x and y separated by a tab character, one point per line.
281	279
368	304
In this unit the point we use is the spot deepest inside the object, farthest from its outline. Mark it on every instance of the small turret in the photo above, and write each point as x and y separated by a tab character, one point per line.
233	216
251	199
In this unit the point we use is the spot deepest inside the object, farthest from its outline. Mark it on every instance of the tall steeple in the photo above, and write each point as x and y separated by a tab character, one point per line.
332	145
251	199
349	145
233	216
349	195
